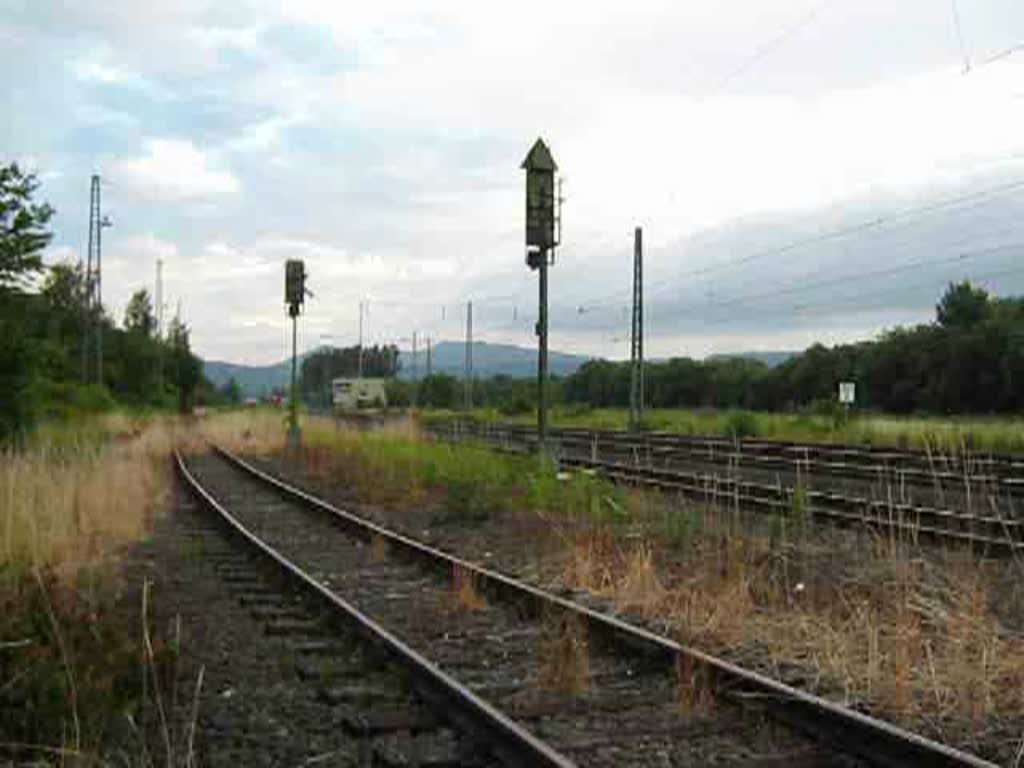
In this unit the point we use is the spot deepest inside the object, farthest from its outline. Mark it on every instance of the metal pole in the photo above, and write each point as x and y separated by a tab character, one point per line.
87	310
636	352
99	284
542	354
293	416
639	246
429	370
415	371
360	339
468	371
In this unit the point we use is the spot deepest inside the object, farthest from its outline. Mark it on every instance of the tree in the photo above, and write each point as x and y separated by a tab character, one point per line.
138	315
184	369
231	392
23	232
64	289
962	307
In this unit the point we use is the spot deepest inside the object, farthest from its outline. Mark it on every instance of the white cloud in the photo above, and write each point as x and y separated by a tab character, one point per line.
175	170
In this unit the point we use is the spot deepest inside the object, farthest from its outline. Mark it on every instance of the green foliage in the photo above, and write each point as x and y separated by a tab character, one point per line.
963	306
23	232
232	392
970	360
740	424
19	373
138	315
439	390
183	369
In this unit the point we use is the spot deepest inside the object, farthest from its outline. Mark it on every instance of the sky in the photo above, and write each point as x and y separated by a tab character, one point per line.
802	170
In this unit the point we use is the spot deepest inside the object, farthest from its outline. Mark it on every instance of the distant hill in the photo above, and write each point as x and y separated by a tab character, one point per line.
254	380
489	360
771	359
446	357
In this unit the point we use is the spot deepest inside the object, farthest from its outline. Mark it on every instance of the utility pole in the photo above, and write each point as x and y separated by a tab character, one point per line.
543	233
636	353
429	371
468	369
94	281
415	371
360	339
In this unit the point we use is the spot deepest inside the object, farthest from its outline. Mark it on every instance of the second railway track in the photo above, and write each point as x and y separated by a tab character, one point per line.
987	521
586	687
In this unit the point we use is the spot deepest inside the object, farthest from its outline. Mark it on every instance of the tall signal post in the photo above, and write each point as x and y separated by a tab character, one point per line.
94	281
543	233
294	297
636	353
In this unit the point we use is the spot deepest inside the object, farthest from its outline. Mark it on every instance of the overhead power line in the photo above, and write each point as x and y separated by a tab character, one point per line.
766	48
620	296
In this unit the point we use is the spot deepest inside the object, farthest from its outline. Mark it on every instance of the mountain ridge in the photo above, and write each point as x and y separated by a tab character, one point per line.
446	357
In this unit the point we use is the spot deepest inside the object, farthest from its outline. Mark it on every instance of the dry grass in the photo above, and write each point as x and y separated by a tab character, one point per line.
71	501
913	633
464	588
257	431
564	656
696	688
67	508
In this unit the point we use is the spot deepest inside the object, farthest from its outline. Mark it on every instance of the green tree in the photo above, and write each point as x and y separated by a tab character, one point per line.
138	315
23	232
184	369
232	392
962	307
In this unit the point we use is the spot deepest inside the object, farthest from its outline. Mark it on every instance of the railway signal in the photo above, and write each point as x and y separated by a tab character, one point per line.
294	296
543	233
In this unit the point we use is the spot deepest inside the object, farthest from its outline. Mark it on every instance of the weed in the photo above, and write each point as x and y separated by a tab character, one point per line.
696	687
467	596
565	656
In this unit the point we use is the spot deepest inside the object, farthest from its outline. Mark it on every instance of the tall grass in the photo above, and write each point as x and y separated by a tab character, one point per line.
71	499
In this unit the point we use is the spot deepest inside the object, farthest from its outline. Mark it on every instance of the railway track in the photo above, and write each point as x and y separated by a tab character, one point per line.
1004	473
575	687
984	523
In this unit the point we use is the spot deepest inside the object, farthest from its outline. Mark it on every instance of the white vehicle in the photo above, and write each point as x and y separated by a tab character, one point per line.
355	394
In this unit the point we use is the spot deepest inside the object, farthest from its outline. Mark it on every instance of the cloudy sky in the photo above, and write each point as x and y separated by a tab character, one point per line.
802	169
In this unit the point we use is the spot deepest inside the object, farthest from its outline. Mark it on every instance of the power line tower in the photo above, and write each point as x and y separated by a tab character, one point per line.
468	368
636	354
94	282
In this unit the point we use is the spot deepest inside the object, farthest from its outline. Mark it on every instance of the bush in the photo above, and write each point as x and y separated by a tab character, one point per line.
740	424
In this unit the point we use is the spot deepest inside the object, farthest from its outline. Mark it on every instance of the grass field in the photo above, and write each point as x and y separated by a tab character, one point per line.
953	434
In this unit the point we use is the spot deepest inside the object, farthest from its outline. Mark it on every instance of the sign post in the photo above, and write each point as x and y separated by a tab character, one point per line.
542	235
847	396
